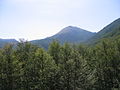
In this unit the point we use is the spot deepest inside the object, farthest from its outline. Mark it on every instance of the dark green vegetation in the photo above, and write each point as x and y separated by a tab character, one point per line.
66	67
69	34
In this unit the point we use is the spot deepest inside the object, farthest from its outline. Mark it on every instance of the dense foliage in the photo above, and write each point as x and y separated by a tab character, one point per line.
61	67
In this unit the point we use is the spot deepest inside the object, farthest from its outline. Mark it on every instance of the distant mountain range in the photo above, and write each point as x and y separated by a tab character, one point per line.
68	34
7	41
75	35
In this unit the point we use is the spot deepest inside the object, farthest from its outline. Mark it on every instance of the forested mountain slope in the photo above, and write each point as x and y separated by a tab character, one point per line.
110	31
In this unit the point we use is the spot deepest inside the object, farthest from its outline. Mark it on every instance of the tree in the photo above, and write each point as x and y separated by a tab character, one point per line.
7	69
46	68
107	62
54	51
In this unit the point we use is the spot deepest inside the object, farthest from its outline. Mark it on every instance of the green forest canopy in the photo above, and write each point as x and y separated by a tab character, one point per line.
61	67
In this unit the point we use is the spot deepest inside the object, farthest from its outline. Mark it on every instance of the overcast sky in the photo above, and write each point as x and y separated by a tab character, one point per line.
37	19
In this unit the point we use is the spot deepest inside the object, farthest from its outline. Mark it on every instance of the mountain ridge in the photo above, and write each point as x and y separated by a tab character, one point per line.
73	34
68	34
109	31
3	42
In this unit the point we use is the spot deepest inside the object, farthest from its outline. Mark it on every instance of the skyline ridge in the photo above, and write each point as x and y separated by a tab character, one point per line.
70	26
37	19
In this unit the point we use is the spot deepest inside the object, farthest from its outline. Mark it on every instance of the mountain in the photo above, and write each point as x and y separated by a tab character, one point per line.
73	34
7	41
68	34
110	31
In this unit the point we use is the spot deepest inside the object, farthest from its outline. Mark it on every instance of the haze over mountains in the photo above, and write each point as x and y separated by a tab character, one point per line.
7	41
73	34
68	34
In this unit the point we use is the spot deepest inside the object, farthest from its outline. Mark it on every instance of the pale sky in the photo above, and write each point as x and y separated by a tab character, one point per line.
37	19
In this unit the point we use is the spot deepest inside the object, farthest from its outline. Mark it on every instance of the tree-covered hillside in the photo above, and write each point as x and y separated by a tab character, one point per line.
110	31
62	67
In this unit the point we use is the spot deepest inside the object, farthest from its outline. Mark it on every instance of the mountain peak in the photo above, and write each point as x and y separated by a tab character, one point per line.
70	29
68	34
69	26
